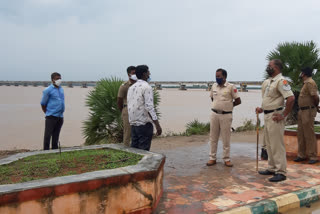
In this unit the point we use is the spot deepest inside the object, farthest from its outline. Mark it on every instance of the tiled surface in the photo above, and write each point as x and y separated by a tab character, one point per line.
192	187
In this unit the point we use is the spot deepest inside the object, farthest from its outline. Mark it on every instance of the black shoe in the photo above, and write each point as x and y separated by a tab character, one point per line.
298	159
277	178
266	172
312	161
264	154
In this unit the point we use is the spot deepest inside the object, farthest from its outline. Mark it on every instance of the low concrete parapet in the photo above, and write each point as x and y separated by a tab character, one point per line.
291	141
131	189
280	204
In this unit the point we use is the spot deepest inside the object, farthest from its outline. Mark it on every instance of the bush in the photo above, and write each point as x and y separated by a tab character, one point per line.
104	124
247	126
197	128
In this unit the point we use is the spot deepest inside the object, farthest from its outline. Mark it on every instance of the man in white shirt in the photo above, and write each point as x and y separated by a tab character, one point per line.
141	110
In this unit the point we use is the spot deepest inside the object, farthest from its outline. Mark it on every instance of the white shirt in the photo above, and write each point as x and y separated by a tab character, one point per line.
140	103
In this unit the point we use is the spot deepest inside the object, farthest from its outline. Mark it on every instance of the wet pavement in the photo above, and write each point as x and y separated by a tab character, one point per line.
192	187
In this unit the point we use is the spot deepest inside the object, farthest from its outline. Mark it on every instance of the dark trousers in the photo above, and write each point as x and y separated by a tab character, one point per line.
141	136
52	129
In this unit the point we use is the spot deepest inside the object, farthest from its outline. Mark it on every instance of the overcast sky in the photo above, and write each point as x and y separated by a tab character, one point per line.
177	39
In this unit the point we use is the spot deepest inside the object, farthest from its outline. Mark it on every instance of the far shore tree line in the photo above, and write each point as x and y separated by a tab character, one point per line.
104	124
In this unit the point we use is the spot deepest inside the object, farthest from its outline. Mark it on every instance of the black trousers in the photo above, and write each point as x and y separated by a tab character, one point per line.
52	129
141	136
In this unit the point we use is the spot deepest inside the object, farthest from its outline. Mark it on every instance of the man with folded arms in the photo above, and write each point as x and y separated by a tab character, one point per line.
275	90
224	96
308	102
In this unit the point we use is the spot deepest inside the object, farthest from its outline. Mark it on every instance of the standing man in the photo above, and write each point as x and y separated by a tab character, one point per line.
52	105
274	92
141	110
122	104
308	102
224	97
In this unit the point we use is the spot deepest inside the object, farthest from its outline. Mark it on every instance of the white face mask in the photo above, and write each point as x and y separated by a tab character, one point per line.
58	82
133	77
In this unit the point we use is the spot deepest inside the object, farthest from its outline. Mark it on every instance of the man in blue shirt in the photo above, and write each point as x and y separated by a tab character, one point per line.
52	104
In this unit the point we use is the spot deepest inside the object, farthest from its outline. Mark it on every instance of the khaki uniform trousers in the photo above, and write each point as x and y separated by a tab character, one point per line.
307	143
273	136
220	124
126	127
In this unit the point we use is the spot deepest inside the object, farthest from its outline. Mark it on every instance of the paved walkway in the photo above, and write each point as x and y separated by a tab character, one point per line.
192	187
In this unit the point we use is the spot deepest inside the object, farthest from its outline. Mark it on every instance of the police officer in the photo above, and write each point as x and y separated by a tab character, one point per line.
224	97
308	101
274	92
122	104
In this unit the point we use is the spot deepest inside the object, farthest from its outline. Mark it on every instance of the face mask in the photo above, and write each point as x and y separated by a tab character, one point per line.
270	71
133	77
58	82
149	78
219	80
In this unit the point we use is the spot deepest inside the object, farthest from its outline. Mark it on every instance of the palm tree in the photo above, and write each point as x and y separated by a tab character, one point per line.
295	56
104	124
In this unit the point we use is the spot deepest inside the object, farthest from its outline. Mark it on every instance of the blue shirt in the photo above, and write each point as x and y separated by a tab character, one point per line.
53	99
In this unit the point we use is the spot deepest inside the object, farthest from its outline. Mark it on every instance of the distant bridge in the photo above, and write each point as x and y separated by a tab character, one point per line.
182	85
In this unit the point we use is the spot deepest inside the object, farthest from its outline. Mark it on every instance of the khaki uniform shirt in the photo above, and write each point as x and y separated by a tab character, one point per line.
223	96
308	90
123	90
274	91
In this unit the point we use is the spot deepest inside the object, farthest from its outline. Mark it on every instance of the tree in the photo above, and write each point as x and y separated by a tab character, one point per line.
104	124
295	56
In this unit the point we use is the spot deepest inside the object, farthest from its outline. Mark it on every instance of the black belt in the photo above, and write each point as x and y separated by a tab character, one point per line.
306	107
270	111
221	112
125	105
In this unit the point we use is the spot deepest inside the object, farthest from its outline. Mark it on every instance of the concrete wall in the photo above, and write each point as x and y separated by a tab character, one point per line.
291	142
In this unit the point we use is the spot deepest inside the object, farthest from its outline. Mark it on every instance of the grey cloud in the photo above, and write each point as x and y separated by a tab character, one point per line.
179	40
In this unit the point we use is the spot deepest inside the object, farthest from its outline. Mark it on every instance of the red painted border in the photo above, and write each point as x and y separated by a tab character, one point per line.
294	133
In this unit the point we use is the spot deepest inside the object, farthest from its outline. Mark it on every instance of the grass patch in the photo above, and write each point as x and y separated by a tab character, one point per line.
70	163
197	128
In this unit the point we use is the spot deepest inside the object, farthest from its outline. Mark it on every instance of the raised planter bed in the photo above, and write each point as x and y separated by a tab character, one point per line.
131	189
291	141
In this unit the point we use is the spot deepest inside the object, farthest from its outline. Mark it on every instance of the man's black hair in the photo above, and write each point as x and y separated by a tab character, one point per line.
307	71
278	63
224	72
140	70
131	68
53	75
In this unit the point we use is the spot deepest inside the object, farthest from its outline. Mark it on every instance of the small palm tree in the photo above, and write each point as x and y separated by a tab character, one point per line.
295	56
104	124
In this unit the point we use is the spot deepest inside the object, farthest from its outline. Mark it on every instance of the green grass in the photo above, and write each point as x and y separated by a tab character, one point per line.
70	163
